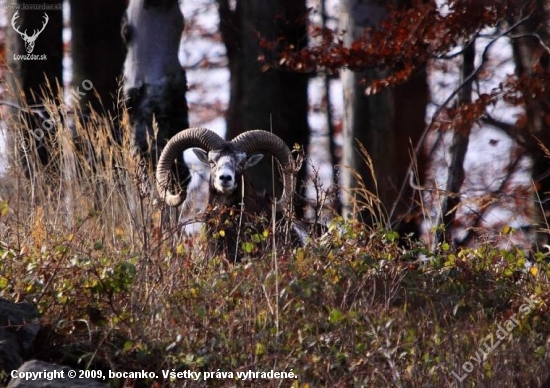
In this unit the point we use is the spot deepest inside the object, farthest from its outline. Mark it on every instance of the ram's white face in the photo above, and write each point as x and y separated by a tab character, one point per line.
226	168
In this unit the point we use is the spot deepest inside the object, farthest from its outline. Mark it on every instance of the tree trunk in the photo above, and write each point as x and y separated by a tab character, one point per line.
154	81
30	80
265	98
98	51
98	54
331	130
368	121
385	124
450	199
532	60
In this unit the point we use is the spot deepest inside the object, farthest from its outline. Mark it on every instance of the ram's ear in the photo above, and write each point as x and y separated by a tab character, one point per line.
202	155
253	160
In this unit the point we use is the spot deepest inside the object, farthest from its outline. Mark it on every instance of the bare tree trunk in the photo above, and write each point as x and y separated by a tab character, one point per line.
260	98
98	51
334	158
385	124
30	80
533	60
367	121
366	118
154	81
450	200
98	54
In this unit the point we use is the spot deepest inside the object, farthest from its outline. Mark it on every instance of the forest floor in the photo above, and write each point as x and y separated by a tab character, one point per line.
356	306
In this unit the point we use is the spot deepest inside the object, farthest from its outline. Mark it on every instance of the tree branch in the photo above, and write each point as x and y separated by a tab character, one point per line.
467	80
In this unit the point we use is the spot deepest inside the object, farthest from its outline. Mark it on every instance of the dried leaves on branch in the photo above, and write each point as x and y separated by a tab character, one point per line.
404	42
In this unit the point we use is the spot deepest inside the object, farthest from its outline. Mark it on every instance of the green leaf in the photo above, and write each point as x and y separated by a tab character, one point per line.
4	208
259	349
540	352
392	236
128	345
336	316
247	247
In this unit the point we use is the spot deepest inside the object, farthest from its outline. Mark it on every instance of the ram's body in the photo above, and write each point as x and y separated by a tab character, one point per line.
233	205
232	200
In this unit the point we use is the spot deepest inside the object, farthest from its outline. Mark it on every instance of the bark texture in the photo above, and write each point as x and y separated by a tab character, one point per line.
154	81
450	201
262	97
98	51
386	124
532	60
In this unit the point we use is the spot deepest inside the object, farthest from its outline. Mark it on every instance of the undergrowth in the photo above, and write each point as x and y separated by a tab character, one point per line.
120	289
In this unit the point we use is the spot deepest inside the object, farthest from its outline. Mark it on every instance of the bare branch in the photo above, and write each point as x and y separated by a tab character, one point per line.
536	36
466	81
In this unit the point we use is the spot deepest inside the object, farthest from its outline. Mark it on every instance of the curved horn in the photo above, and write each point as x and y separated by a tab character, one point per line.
188	138
263	141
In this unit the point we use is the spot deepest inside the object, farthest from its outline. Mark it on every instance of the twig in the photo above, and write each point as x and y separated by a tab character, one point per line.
468	79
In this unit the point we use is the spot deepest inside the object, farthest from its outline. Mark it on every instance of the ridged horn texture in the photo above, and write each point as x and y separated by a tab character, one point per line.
188	138
262	141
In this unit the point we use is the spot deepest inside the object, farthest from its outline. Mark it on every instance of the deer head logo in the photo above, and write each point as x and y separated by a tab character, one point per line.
29	40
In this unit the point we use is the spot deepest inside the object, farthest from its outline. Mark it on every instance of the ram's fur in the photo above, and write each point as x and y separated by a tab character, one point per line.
231	195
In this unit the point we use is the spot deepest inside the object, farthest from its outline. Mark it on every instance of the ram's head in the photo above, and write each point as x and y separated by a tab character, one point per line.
227	166
228	161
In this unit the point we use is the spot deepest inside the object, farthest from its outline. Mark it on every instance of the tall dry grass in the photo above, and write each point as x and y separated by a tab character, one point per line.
118	289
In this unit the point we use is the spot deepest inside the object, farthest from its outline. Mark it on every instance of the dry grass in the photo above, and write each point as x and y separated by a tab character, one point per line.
117	290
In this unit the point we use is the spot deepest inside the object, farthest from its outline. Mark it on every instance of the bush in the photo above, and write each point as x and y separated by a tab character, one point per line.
120	290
